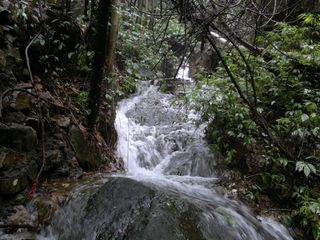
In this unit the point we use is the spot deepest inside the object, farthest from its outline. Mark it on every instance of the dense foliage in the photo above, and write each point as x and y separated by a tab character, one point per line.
144	51
288	98
62	46
282	84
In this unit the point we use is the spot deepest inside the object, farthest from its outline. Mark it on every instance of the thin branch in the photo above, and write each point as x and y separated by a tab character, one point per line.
259	118
252	81
27	56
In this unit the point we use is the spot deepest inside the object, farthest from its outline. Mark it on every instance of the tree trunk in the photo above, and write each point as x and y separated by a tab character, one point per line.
68	7
103	17
86	4
140	15
113	35
93	7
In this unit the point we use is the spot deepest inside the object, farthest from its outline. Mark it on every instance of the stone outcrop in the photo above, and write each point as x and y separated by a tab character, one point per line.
17	166
18	137
16	171
88	156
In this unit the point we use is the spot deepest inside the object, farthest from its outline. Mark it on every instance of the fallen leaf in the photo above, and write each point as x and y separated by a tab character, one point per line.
65	185
39	87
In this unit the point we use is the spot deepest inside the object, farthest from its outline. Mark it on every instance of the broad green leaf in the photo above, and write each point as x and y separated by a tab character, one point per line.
306	171
307	168
304	117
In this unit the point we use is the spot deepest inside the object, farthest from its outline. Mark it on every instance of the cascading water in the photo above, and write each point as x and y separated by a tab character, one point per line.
161	146
169	189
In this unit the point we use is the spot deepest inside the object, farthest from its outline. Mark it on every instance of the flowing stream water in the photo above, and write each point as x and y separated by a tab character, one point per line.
170	190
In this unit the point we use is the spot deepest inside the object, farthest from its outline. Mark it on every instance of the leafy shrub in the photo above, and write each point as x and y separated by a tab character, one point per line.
141	50
287	87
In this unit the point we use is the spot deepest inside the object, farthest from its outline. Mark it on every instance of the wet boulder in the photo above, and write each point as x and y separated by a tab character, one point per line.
126	209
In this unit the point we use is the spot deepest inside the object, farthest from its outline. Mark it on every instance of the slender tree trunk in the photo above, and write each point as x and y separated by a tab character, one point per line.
103	18
140	15
86	4
151	20
93	7
113	35
68	7
63	6
146	9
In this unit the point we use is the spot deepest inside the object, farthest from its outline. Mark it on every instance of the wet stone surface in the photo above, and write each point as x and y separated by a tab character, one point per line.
124	208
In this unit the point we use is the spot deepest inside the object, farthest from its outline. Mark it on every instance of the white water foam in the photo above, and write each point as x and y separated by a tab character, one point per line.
168	152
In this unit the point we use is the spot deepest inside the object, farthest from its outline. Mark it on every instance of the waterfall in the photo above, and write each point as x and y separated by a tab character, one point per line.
162	147
170	190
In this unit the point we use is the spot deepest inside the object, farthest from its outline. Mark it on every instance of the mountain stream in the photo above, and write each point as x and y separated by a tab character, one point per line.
170	189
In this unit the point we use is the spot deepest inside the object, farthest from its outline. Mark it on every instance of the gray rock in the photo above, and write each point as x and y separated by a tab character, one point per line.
22	101
16	171
18	137
53	159
88	158
126	209
14	117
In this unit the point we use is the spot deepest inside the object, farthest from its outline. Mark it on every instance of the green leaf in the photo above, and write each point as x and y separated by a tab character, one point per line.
283	161
312	107
304	117
312	168
70	54
42	42
307	168
306	171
